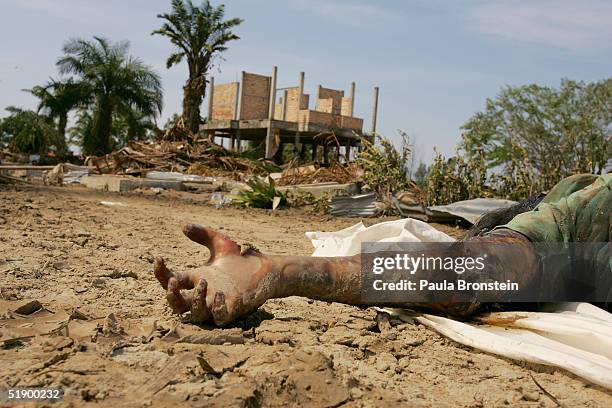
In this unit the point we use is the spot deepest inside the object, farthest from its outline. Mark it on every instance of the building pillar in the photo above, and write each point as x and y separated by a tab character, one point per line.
269	134
374	109
211	94
296	142
352	96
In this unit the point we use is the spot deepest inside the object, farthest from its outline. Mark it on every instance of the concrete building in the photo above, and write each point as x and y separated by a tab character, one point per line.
255	109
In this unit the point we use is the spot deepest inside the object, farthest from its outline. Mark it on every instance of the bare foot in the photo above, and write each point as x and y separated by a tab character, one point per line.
230	285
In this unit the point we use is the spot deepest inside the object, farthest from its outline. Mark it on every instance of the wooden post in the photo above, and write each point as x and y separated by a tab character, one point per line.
238	141
269	134
347	151
352	95
314	150
374	109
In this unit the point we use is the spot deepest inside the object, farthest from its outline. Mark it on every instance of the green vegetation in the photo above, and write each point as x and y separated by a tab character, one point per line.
116	96
57	99
528	139
126	126
115	85
456	179
199	34
384	167
262	194
28	132
525	140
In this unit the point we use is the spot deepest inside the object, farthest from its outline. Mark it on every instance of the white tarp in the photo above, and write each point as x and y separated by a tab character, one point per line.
574	336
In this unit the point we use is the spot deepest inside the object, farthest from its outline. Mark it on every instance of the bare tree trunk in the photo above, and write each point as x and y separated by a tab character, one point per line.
62	123
193	95
99	141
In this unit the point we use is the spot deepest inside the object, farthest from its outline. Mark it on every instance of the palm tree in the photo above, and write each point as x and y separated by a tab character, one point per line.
132	125
28	132
57	99
112	82
126	126
198	34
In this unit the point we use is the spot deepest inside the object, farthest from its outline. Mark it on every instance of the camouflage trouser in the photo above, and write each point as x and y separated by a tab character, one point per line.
577	209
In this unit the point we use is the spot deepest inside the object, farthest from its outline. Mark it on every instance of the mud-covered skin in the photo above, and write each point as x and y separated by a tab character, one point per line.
233	283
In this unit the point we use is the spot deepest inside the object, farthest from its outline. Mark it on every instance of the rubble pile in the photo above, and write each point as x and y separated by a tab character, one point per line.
312	174
7	156
202	157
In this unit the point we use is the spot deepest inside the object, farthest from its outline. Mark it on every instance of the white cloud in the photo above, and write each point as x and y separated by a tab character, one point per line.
344	11
583	27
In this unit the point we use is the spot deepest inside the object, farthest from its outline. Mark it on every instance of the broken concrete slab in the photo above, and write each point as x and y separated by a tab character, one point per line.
318	189
176	176
122	183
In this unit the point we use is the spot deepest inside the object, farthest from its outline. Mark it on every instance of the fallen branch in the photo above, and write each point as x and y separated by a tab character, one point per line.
548	394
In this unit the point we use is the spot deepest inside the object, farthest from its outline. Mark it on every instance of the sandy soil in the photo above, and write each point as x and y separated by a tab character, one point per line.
106	336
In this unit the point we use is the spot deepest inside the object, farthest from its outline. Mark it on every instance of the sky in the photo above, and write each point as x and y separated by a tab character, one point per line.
435	61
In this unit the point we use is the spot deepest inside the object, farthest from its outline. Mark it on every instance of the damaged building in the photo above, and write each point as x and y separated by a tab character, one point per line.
256	110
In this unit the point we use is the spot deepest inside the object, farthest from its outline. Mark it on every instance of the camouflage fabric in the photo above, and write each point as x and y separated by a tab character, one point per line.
577	209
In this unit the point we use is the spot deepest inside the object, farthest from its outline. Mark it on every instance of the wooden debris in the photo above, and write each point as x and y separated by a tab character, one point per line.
201	157
336	172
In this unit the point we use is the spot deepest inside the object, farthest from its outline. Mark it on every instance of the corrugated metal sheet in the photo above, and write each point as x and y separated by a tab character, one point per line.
362	205
469	210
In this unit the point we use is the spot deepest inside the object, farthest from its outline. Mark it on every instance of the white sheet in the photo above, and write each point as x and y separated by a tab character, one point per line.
574	336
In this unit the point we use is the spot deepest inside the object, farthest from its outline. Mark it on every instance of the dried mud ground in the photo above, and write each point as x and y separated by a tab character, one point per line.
106	337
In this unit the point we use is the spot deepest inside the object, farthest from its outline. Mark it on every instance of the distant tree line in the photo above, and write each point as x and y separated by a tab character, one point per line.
526	140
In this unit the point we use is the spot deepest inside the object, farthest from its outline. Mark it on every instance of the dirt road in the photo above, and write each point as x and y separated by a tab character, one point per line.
106	336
